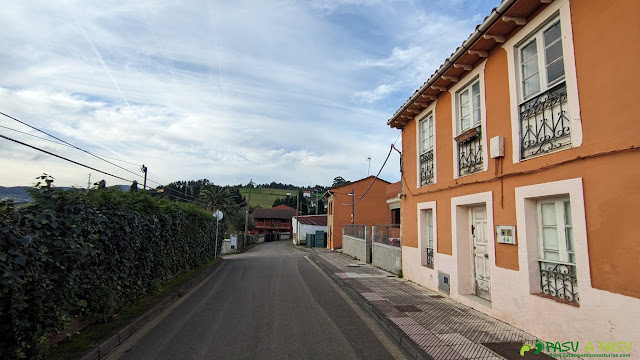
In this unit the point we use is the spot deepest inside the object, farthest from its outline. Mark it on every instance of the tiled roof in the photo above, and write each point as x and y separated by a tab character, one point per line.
318	220
284	207
353	182
489	34
274	213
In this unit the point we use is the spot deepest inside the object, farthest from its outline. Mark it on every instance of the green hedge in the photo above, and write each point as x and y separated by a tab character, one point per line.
74	254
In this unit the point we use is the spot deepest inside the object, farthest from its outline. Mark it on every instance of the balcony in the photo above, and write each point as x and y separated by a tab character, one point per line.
426	168
469	151
559	280
545	124
430	257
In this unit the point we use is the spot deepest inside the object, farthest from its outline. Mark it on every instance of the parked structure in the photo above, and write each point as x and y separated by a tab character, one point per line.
520	187
303	225
275	220
368	210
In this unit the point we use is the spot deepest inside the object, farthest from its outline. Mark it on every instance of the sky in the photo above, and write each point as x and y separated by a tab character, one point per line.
288	91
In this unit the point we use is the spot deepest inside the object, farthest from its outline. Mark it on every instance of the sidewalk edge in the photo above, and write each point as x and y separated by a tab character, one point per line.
399	336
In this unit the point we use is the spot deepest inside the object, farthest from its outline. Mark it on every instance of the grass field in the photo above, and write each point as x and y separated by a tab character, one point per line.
265	197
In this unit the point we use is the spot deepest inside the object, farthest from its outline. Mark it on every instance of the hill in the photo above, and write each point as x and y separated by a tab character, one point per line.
19	193
265	197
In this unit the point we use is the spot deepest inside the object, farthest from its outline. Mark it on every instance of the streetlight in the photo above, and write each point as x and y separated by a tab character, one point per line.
218	215
246	215
316	196
353	204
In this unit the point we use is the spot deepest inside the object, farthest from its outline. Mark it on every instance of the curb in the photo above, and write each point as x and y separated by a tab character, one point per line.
105	347
402	339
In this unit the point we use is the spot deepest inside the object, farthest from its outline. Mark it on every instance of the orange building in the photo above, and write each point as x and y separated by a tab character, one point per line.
368	210
520	170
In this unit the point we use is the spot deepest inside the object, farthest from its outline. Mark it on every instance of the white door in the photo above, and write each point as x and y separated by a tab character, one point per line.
482	281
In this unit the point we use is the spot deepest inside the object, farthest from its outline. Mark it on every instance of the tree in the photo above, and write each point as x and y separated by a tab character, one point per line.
134	186
100	184
339	181
321	209
217	198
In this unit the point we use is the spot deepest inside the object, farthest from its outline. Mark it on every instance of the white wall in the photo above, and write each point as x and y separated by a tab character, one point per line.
304	229
601	316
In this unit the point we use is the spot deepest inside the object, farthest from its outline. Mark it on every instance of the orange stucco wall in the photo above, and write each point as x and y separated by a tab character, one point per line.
606	52
371	210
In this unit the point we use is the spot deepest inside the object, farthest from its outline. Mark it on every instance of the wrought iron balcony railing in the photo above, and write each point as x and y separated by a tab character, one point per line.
426	168
559	280
545	124
430	257
470	151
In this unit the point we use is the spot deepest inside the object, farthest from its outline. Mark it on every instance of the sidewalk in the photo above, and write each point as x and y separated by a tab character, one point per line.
427	324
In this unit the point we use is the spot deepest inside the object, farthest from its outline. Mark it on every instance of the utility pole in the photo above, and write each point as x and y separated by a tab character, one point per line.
144	170
246	215
89	182
316	191
297	201
353	205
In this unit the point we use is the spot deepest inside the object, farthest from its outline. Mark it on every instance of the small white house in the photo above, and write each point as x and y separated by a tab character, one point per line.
303	225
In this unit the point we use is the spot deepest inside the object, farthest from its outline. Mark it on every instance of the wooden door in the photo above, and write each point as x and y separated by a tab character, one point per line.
482	275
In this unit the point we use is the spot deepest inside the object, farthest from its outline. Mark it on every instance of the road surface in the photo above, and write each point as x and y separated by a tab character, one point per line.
268	303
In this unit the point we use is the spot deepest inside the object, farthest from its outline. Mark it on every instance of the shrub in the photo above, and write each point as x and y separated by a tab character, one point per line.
73	254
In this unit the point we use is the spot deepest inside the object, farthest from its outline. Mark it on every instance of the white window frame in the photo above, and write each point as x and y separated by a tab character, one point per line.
423	225
476	73
527	231
560	227
429	110
558	9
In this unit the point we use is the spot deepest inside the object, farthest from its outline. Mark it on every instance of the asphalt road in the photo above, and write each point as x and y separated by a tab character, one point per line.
268	303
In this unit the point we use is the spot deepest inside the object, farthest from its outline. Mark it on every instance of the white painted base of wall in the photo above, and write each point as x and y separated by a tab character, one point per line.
602	316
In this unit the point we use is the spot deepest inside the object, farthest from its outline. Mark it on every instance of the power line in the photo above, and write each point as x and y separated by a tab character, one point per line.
69	144
375	178
63	158
100	171
86	166
63	144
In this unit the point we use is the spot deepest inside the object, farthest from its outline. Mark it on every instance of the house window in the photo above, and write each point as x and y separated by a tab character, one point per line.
557	257
429	238
395	216
544	111
426	151
469	129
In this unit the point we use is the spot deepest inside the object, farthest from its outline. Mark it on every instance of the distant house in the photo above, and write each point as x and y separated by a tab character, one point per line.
393	202
368	210
303	225
274	220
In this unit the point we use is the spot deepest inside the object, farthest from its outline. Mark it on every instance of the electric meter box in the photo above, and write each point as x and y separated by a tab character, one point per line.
506	234
496	147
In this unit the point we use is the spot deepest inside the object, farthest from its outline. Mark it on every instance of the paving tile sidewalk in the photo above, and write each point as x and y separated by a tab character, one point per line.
426	323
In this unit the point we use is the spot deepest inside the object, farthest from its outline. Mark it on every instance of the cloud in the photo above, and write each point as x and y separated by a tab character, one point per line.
286	91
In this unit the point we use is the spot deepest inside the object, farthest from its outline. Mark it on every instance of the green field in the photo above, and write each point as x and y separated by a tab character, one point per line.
265	197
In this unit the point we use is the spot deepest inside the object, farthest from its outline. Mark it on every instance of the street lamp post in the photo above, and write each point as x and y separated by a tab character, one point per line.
218	215
246	215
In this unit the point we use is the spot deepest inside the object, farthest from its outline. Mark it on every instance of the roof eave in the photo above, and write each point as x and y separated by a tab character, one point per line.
461	50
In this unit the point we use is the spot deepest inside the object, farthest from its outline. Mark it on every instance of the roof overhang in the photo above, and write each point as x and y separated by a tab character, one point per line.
494	30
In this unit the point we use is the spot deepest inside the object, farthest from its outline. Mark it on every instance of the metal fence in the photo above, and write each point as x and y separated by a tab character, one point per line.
355	230
388	234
